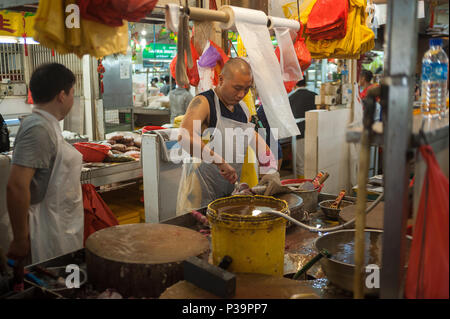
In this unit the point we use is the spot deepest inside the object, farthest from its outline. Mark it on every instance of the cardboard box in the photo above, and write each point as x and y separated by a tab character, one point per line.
318	99
331	99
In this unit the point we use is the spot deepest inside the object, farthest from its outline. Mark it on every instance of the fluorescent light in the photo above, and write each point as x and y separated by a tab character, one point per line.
143	32
17	40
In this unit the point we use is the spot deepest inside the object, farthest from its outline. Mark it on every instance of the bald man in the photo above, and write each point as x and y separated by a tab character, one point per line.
208	126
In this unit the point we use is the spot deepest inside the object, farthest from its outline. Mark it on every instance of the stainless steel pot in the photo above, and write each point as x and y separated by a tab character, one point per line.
339	268
333	213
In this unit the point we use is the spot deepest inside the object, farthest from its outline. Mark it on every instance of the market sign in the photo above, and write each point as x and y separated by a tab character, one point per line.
15	24
161	51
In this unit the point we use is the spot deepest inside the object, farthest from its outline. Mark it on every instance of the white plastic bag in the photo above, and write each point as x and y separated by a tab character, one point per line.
290	67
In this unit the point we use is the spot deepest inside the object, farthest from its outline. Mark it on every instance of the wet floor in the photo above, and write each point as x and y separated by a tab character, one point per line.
299	251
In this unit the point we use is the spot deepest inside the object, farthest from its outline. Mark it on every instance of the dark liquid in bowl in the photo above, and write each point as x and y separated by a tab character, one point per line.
244	210
372	255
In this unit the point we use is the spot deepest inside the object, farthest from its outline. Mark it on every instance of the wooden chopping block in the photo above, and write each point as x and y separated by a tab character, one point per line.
248	286
141	260
374	219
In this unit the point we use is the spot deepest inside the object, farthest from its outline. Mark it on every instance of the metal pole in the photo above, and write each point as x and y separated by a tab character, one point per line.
400	63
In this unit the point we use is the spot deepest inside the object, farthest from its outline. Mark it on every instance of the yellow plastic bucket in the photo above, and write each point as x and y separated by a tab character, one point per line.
255	243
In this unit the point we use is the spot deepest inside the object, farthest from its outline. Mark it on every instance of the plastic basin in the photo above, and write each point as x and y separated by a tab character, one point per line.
92	152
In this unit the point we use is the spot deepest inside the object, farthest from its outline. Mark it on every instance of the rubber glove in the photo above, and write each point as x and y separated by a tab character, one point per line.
273	184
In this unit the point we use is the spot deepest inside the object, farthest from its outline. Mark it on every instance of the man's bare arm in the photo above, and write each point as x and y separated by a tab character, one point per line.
18	203
191	133
196	115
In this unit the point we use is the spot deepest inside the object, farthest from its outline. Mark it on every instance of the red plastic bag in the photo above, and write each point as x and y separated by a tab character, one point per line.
427	276
112	12
328	20
97	215
30	98
220	63
192	73
303	55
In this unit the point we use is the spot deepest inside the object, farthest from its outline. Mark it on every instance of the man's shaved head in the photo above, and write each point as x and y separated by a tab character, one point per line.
234	81
236	65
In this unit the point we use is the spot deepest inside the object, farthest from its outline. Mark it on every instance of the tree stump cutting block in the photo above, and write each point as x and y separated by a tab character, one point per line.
141	260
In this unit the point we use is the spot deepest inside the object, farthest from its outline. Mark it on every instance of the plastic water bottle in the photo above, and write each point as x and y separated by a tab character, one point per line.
434	80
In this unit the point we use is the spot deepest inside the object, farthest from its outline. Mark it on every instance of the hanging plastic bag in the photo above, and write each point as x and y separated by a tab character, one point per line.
220	63
206	79
192	73
427	276
134	10
113	12
288	61
97	215
358	38
288	85
303	55
91	38
49	23
291	12
209	57
206	69
100	40
328	20
301	51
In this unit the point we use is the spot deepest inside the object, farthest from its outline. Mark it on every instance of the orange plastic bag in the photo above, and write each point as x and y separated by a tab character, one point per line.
427	276
303	55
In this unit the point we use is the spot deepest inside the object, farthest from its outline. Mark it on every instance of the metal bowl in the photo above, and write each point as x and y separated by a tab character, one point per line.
295	206
340	267
333	213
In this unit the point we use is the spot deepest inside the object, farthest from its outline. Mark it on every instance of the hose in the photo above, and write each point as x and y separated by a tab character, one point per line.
326	230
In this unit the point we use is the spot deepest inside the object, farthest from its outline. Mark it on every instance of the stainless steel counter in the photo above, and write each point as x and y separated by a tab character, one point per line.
110	173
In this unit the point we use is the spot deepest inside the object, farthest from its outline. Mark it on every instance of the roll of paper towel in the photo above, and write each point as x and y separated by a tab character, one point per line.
252	27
